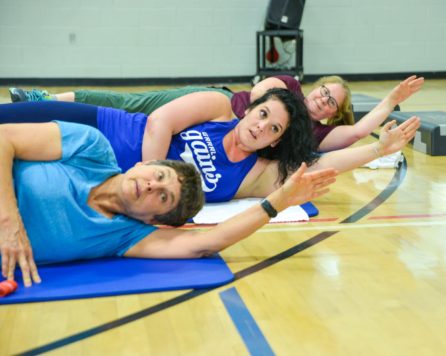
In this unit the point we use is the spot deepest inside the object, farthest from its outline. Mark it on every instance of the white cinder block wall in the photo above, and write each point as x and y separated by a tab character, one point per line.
212	38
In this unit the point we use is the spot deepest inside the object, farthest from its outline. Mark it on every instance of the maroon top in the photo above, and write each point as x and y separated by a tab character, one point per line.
320	131
240	100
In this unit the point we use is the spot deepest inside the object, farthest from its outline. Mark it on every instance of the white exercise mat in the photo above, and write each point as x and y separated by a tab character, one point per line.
389	161
214	213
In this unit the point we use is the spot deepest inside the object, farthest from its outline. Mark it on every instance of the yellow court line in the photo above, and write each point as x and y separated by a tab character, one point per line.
353	226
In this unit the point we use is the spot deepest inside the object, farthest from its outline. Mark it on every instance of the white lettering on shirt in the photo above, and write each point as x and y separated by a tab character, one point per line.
199	145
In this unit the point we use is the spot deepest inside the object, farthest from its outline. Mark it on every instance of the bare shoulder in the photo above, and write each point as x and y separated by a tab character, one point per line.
261	180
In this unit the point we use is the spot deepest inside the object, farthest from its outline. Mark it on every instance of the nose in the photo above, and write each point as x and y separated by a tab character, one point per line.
324	100
153	185
261	126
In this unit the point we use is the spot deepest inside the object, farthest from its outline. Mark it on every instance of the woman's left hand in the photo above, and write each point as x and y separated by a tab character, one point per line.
405	89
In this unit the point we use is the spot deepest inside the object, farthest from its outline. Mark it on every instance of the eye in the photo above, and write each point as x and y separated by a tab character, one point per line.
332	103
325	91
263	114
160	175
275	129
163	197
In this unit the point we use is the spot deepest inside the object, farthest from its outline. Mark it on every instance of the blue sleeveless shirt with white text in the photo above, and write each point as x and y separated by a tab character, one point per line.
201	145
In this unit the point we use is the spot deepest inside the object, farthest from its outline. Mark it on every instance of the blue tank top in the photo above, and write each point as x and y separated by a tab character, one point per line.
201	145
124	131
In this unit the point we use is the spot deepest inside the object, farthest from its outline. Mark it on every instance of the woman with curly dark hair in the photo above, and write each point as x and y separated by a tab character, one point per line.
295	145
198	128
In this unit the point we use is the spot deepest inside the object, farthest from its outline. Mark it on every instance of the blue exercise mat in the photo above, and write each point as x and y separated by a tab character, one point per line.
310	209
117	276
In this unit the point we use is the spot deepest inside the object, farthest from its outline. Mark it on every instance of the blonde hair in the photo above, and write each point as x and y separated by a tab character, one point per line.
344	115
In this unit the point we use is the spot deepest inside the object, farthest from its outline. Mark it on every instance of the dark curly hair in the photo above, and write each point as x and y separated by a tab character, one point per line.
191	198
297	144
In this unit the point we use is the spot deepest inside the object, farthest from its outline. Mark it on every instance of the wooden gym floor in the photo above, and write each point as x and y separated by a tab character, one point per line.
367	276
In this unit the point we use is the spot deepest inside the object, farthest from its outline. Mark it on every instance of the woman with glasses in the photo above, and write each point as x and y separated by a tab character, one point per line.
330	100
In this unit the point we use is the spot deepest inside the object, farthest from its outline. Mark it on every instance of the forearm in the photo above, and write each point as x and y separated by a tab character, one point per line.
156	141
348	158
232	230
400	93
31	142
175	243
178	243
345	135
9	214
374	118
294	192
19	141
262	87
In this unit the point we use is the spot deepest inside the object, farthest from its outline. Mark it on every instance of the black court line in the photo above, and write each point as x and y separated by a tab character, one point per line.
383	196
177	300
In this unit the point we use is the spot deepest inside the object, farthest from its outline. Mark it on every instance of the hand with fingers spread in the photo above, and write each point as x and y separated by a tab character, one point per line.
302	187
394	139
15	250
405	89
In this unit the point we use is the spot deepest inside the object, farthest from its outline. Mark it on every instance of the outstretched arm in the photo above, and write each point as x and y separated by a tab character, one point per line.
178	115
390	140
345	135
20	141
174	243
262	87
263	178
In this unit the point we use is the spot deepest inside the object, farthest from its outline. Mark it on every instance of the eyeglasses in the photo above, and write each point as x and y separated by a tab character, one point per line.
332	103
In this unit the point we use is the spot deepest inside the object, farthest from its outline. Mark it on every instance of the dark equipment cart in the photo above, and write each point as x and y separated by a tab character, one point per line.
282	24
265	69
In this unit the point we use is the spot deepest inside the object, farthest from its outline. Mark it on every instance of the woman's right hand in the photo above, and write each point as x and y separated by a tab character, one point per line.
16	249
394	139
302	186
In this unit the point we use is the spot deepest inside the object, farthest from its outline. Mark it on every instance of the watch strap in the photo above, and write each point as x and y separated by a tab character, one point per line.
269	209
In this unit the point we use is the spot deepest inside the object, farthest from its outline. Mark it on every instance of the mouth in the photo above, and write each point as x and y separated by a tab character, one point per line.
318	108
253	135
137	190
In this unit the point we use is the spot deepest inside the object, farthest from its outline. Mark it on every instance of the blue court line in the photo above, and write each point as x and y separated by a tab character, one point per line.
244	322
182	298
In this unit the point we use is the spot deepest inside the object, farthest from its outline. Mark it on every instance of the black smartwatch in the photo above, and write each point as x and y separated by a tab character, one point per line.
269	209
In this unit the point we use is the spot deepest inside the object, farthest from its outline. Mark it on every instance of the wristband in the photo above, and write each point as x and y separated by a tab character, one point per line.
376	150
269	209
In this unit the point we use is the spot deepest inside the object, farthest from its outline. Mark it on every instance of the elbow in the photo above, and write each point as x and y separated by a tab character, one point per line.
207	253
360	135
355	137
202	253
209	250
153	122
